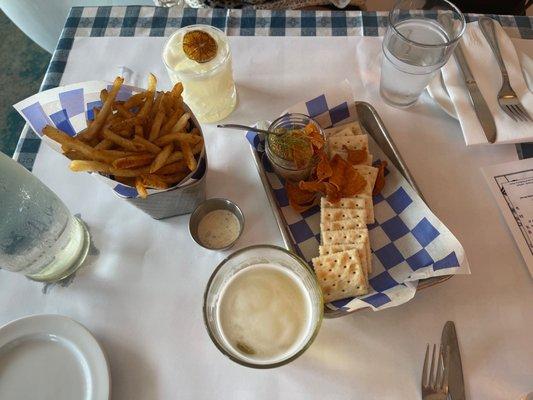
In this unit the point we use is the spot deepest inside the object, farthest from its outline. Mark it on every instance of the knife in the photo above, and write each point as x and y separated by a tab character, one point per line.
456	385
479	103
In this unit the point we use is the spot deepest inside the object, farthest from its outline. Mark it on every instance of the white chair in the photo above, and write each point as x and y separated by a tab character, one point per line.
42	20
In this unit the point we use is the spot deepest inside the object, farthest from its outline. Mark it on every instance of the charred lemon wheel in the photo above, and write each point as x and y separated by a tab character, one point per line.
199	46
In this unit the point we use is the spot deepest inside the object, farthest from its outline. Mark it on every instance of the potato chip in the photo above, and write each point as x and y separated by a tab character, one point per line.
333	194
356	156
335	179
314	136
313	186
323	169
299	199
355	183
338	166
380	179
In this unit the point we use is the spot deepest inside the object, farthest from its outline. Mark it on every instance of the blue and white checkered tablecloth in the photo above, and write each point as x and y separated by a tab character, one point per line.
157	21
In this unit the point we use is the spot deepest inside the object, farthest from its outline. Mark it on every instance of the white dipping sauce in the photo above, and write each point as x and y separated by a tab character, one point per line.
218	229
264	313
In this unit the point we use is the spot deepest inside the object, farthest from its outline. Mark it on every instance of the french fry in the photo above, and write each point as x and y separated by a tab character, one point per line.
139	131
165	103
96	111
74	144
114	154
181	123
177	137
198	147
103	95
126	180
129	173
137	160
157	103
148	146
150	93
122	111
125	143
156	126
126	124
153	181
113	120
160	159
80	134
134	100
104	145
107	108
89	166
172	120
173	179
176	156
125	133
176	92
188	156
93	142
141	189
83	133
74	155
172	168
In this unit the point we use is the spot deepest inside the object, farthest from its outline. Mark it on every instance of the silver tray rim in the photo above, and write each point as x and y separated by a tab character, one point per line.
370	120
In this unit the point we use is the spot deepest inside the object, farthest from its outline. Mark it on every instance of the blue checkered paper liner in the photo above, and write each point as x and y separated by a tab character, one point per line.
408	241
68	108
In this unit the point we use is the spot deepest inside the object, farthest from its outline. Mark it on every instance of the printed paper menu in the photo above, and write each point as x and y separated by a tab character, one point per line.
512	186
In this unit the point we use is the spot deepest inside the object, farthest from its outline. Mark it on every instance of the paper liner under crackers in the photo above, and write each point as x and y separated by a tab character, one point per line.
408	241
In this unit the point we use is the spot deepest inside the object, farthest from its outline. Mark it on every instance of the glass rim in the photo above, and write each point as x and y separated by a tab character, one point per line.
240	360
277	159
188	28
448	43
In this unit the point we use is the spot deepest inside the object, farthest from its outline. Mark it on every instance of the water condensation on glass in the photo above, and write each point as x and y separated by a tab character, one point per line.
38	235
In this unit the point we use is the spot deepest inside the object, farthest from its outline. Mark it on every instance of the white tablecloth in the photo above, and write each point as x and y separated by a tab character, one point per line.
142	295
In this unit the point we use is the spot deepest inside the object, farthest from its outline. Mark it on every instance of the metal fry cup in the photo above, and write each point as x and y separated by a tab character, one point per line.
181	199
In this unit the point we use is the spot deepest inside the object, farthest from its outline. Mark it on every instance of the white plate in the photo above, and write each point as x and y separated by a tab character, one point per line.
438	92
51	357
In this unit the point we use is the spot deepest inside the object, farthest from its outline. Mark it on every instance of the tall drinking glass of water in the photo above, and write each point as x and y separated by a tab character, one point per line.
39	237
421	36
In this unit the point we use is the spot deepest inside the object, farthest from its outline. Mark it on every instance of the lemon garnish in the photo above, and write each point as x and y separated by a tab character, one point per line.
199	46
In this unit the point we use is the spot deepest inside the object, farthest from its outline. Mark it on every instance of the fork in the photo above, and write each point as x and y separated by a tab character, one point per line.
436	386
507	98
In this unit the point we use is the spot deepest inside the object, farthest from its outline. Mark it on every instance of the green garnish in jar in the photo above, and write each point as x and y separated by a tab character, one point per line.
292	145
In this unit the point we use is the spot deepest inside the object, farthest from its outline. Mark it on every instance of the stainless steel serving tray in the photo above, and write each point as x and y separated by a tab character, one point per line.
371	122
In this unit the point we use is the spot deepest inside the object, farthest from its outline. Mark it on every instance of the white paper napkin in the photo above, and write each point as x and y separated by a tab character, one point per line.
484	66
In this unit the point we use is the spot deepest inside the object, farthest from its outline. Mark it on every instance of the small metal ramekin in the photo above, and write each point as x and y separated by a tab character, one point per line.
211	205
